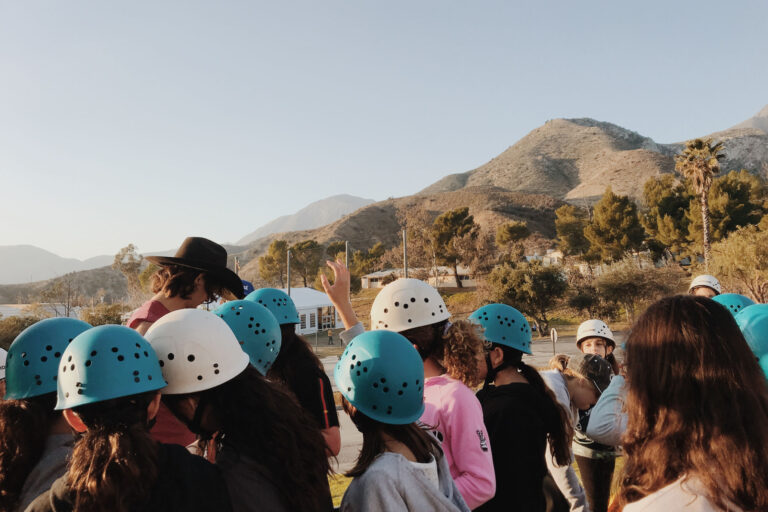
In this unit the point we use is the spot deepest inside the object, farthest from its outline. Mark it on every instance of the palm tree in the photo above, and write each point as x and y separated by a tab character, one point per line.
699	163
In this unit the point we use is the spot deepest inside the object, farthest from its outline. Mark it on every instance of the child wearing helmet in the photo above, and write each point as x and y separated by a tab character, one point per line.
577	383
108	386
520	412
270	453
298	369
452	356
35	441
196	274
697	435
400	466
596	461
705	285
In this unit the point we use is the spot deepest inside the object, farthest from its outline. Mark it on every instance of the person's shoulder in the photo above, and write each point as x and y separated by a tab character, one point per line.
687	495
183	462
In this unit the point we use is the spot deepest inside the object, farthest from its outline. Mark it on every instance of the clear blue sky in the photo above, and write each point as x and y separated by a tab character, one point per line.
147	121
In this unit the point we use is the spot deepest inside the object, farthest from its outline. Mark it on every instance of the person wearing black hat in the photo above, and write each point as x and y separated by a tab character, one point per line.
197	273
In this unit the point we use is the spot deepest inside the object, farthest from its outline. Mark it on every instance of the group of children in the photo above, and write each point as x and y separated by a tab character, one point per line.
186	409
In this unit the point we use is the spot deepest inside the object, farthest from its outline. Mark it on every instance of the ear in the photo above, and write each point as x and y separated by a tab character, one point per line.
153	407
497	356
74	420
608	350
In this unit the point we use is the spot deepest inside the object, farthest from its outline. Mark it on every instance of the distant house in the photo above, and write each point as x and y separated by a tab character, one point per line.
316	311
439	277
552	257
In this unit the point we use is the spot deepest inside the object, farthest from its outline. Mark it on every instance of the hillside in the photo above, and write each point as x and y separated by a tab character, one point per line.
85	282
576	159
312	216
378	222
25	263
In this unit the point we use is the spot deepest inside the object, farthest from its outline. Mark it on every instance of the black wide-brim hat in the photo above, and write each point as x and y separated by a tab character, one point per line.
207	256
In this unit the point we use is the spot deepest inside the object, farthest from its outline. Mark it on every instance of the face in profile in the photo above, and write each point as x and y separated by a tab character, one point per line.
704	291
584	395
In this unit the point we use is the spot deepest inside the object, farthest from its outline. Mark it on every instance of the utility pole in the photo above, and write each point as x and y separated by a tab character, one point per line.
405	254
288	272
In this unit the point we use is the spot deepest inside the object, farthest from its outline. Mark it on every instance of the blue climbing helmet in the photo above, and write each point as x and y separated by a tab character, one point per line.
278	303
106	362
504	325
382	375
753	322
734	302
256	329
34	356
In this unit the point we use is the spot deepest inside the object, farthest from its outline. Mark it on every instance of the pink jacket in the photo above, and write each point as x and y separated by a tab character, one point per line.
454	412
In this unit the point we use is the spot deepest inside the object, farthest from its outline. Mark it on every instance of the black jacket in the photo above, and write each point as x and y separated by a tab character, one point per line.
186	483
517	418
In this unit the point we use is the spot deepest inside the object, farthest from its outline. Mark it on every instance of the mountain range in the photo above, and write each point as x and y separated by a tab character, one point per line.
564	160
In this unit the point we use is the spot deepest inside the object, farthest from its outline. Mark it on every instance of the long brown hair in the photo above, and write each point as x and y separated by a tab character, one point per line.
456	348
295	354
559	426
697	404
115	462
421	443
266	423
24	426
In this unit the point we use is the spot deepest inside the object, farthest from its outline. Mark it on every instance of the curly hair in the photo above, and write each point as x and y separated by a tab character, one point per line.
457	348
179	281
24	428
697	406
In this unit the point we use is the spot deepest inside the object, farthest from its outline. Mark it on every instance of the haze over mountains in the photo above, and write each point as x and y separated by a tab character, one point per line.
570	160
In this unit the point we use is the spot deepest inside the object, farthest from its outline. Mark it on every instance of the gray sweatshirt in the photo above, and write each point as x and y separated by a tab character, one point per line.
393	484
52	465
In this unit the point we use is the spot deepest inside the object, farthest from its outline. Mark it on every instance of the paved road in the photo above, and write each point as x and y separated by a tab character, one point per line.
352	440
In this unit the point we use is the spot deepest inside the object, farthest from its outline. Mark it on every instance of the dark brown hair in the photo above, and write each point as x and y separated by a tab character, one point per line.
697	405
266	423
456	349
24	426
178	281
295	353
423	445
558	422
114	464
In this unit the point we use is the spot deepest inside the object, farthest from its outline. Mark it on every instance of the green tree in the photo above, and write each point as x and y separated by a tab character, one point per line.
570	223
145	278
61	296
699	162
128	262
12	326
533	289
272	266
509	240
627	283
305	259
103	314
446	229
735	200
743	258
665	217
336	250
615	228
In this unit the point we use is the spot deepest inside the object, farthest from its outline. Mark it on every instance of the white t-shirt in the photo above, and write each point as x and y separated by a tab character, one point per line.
429	470
688	496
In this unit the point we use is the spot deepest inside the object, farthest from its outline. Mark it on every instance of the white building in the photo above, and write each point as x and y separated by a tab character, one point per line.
443	279
316	311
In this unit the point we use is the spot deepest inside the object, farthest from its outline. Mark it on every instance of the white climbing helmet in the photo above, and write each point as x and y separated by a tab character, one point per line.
595	328
405	304
706	280
197	351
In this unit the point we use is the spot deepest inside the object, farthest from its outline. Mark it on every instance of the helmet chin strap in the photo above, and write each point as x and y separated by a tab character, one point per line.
195	424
